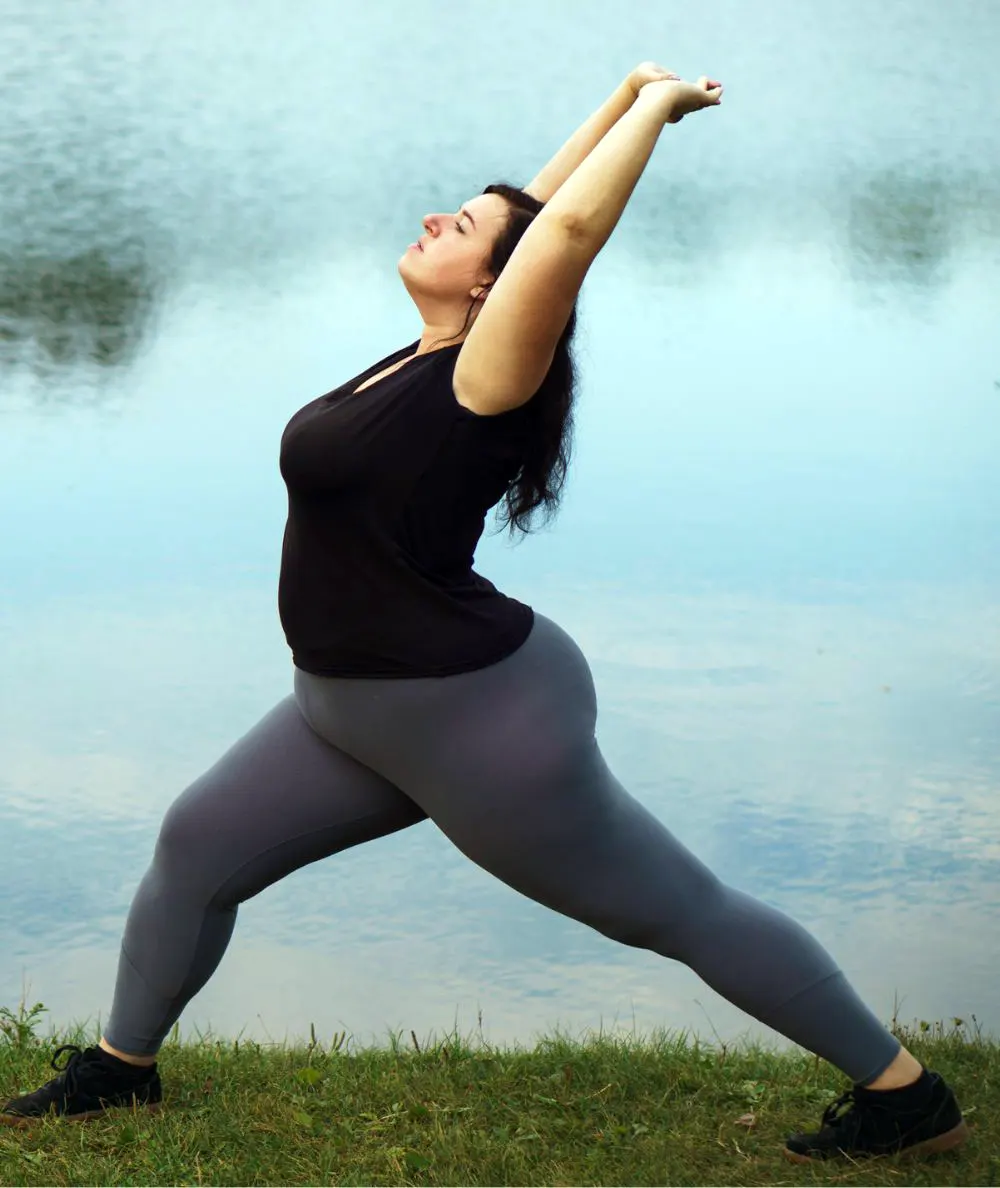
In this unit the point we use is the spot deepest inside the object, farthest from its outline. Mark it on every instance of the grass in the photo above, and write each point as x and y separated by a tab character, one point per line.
666	1109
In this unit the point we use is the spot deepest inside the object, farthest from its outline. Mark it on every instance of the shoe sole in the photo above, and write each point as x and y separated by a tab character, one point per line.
23	1120
941	1142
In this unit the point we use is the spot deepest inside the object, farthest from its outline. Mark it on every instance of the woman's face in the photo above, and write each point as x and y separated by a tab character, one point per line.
450	260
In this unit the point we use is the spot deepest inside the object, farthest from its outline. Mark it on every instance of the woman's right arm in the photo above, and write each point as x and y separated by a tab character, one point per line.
591	200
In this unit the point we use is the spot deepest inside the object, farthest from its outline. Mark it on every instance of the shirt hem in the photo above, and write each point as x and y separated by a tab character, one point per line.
444	670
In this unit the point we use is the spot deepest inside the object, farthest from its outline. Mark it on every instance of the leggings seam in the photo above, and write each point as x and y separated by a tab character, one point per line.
277	846
145	981
837	973
138	973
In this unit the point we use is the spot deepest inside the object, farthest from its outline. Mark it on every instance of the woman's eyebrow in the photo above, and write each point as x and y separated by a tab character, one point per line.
469	217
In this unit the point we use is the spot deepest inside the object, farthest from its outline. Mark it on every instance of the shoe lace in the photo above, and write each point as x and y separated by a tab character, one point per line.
849	1120
70	1069
864	1108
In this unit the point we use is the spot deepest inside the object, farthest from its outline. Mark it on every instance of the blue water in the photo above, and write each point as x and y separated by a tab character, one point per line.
778	545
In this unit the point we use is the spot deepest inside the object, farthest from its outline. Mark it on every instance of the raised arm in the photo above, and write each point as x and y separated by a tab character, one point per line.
593	131
592	200
509	350
580	144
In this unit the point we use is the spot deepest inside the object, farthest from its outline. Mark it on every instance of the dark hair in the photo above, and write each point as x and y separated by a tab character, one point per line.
548	416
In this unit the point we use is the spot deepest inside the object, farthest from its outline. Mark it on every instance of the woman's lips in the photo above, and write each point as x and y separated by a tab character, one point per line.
418	246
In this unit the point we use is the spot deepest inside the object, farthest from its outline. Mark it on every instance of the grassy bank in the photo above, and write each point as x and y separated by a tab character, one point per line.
664	1109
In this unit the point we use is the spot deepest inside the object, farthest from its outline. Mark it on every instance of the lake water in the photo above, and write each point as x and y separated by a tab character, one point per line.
779	545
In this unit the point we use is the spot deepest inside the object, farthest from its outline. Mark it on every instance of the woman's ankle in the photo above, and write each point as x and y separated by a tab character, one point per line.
905	1070
128	1058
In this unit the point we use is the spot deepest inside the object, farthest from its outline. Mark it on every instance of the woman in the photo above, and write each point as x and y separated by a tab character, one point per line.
421	691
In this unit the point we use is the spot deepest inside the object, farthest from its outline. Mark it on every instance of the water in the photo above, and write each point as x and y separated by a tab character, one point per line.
778	545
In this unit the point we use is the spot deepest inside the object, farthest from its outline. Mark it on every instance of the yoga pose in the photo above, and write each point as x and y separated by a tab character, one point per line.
421	691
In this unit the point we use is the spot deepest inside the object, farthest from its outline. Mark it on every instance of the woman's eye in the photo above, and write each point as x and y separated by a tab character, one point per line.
458	227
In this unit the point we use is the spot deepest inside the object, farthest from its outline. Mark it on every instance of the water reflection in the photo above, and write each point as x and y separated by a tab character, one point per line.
92	307
900	231
796	658
72	295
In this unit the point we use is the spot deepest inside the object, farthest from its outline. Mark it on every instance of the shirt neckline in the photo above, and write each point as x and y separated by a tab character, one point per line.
384	363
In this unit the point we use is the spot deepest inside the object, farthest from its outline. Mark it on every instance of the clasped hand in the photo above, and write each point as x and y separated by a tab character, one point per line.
678	98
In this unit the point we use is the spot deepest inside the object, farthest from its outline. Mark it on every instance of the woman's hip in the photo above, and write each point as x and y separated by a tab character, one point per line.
536	706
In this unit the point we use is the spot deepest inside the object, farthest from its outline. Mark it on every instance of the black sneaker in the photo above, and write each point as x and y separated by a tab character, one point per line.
87	1085
923	1117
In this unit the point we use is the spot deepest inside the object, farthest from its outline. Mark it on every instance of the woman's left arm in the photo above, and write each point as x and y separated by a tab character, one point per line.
590	134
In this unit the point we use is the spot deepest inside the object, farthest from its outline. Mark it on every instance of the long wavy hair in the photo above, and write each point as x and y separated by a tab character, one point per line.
549	414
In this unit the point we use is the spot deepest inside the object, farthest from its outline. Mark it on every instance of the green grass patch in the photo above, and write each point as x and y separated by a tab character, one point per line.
607	1109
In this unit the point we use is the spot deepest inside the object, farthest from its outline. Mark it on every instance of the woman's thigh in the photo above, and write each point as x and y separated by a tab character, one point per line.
279	798
506	763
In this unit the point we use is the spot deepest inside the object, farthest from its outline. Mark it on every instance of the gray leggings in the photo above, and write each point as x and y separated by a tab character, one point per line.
504	761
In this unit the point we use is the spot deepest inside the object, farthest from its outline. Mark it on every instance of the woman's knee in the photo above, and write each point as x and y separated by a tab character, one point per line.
189	835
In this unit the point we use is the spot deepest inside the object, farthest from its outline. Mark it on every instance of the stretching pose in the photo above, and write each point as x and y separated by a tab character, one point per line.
421	691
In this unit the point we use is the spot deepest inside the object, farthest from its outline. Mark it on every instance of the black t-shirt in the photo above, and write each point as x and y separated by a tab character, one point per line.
388	491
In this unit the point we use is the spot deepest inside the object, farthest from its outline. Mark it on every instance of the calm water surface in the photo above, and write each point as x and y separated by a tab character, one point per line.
780	540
